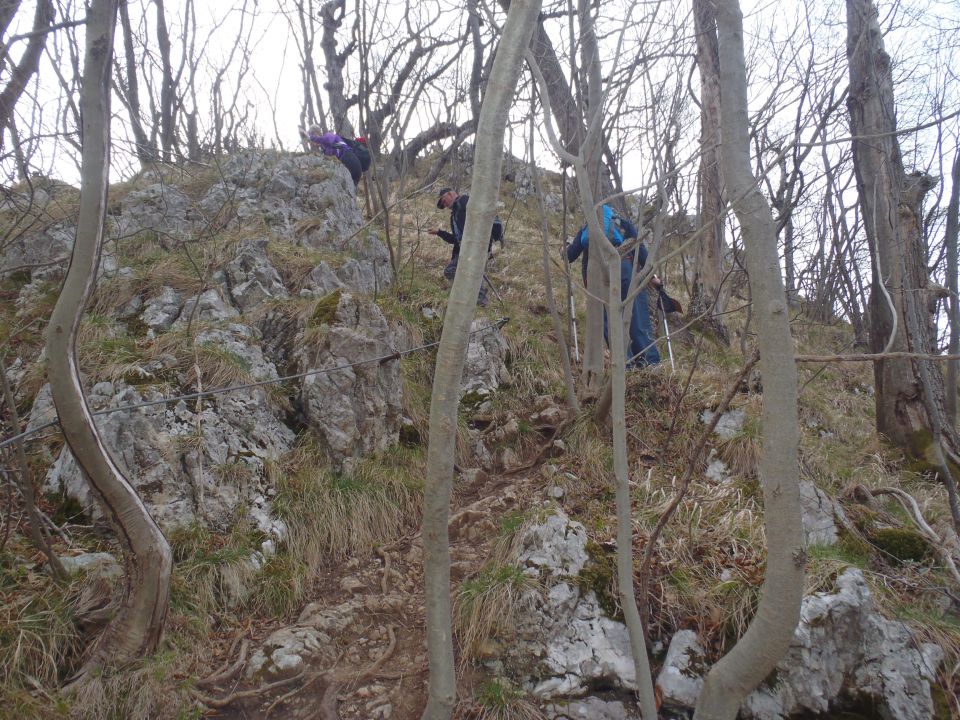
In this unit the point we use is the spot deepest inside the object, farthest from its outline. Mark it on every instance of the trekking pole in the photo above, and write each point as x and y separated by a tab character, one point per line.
573	321
666	329
487	280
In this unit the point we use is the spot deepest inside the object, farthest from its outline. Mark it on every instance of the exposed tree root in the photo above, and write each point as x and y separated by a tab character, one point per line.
227	672
385	578
239	695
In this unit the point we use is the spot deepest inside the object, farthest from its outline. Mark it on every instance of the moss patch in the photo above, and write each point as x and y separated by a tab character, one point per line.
599	575
902	544
325	311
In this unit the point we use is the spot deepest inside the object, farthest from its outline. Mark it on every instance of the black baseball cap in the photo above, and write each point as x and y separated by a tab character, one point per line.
443	191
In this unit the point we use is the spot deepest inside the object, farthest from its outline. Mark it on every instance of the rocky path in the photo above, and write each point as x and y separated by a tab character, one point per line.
357	652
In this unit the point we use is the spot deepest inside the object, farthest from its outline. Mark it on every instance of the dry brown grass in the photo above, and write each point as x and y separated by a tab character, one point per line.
146	691
330	517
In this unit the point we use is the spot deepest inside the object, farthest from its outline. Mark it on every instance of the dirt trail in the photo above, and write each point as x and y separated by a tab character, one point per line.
380	669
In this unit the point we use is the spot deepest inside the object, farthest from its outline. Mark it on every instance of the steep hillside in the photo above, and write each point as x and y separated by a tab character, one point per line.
292	501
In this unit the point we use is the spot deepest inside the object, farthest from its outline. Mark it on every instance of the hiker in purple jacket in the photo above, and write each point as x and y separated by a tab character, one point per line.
333	144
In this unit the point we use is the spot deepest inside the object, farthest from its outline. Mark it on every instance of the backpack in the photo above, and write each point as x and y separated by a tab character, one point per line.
612	227
496	231
359	149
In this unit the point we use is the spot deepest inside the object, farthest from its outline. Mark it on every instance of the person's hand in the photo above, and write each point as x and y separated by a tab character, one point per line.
656	282
433	232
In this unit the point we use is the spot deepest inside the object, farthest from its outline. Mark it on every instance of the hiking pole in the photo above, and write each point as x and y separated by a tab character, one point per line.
573	320
666	329
487	280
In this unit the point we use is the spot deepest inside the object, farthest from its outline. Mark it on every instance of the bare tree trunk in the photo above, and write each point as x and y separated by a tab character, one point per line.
953	210
37	536
146	150
138	624
167	89
592	376
772	628
547	281
909	397
621	468
448	373
29	62
707	294
332	13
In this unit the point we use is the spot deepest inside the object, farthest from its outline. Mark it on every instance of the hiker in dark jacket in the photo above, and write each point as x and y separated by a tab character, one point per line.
457	204
333	145
643	350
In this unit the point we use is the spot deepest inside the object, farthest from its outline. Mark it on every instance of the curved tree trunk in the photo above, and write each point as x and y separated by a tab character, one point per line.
447	376
138	624
772	628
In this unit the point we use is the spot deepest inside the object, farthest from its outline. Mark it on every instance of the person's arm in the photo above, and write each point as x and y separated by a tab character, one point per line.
629	229
445	236
461	217
577	246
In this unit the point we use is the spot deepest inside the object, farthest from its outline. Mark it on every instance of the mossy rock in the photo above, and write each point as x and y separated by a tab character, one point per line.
902	544
599	575
325	311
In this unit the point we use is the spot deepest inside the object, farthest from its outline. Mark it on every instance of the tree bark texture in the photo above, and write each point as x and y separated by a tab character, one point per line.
138	624
953	302
484	192
890	204
332	13
707	295
772	628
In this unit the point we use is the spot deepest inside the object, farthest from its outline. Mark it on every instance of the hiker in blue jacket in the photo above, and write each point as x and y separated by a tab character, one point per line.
643	350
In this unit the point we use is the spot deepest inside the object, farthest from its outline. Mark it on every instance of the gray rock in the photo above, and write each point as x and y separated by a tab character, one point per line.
210	307
103	564
159	207
818	511
681	678
557	547
323	281
485	366
162	310
251	278
844	648
730	423
563	642
289	650
354	410
39	247
591	708
189	464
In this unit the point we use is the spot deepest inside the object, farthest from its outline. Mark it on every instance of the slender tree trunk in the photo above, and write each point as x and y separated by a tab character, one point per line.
168	112
37	535
448	373
953	303
146	151
621	469
590	152
707	294
21	73
548	282
138	624
772	628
